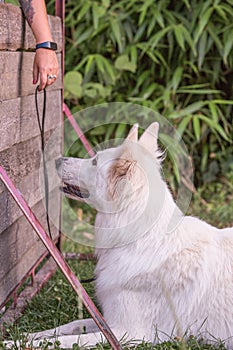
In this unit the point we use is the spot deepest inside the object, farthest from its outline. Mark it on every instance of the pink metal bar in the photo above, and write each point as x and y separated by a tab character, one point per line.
60	12
60	9
78	130
57	256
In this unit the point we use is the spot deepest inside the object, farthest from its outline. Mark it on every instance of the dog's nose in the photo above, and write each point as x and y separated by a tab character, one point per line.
58	163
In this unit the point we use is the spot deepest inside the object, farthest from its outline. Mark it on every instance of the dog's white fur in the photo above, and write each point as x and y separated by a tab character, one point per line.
152	278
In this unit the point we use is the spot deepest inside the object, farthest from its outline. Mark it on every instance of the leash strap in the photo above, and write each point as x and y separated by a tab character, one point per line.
88	280
41	123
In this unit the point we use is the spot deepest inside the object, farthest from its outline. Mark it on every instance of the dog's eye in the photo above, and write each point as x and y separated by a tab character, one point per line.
94	161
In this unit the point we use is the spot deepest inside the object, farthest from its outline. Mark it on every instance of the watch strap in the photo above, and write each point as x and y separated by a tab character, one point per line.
47	45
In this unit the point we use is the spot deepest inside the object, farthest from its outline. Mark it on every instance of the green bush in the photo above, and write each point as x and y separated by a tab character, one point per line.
174	57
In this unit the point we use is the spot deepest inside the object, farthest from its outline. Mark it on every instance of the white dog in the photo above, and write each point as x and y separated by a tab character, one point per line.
159	274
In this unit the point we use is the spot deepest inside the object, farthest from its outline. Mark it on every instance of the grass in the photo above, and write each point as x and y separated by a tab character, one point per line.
57	304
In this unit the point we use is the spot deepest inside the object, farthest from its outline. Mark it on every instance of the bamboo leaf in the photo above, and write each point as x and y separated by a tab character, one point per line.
189	40
109	131
159	17
100	62
202	49
183	124
117	33
143	77
196	127
194	107
158	36
213	110
228	44
203	20
90	62
212	30
173	150
223	102
140	32
97	13
179	36
133	54
105	69
205	156
84	36
187	4
195	86
84	9
120	131
214	126
176	79
198	92
151	26
144	10
220	11
109	72
152	56
149	90
82	63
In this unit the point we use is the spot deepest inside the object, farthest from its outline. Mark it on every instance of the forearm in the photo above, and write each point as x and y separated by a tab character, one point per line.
36	15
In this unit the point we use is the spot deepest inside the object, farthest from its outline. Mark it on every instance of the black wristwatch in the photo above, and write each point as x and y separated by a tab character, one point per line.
47	45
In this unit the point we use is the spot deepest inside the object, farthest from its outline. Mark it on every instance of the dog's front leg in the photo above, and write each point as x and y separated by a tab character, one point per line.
73	328
67	341
92	337
67	334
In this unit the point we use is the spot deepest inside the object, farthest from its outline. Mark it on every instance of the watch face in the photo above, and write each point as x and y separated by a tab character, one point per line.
53	46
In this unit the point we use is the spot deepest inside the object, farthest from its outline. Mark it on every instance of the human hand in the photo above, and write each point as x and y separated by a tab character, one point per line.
45	65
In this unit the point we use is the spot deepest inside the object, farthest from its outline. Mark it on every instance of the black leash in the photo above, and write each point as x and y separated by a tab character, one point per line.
41	124
88	280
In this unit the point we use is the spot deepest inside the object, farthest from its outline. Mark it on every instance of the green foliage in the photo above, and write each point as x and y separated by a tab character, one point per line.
14	2
174	57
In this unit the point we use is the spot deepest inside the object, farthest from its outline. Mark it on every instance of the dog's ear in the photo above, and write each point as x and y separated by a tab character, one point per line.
133	134
150	136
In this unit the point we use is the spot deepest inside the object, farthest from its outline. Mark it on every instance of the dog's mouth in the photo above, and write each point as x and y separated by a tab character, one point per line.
73	190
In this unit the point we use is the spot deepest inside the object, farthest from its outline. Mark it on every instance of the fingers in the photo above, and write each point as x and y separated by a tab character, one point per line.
45	68
35	73
43	80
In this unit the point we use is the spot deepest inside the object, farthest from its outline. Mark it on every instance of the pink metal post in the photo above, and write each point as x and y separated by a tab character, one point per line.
57	256
78	131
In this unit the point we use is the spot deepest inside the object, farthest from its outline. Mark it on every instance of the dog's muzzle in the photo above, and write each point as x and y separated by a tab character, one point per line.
67	188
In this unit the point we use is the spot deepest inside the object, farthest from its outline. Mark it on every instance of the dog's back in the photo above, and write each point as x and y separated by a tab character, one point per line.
181	282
